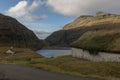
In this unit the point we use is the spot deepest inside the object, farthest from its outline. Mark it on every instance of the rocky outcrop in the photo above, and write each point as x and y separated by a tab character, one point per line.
13	33
72	31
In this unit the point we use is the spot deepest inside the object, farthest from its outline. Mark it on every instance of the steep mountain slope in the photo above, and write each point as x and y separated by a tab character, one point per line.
13	33
71	32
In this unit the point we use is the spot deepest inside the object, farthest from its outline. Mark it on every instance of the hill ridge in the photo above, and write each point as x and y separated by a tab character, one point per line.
13	33
73	31
89	20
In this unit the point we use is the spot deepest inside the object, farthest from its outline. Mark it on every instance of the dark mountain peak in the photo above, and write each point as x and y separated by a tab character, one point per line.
13	33
2	15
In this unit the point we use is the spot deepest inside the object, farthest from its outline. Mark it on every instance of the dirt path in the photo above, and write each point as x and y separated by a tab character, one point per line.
14	72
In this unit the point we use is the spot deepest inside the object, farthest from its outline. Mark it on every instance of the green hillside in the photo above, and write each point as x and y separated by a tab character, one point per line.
96	26
102	40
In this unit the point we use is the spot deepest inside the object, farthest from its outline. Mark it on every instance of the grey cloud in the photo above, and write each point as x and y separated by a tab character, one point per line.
83	7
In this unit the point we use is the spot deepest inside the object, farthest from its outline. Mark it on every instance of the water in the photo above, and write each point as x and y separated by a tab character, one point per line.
53	53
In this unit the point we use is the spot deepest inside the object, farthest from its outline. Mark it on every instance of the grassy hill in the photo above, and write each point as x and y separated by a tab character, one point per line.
88	21
89	25
102	40
13	33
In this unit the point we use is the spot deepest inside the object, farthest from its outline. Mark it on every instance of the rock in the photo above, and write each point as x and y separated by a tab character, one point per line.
104	15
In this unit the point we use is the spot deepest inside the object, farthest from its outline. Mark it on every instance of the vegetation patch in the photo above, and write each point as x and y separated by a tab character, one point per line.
76	67
94	43
64	65
20	54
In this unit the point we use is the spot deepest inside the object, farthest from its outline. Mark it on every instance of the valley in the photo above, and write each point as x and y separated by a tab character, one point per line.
101	33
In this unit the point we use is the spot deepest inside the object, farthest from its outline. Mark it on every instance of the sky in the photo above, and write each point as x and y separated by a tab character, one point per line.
52	15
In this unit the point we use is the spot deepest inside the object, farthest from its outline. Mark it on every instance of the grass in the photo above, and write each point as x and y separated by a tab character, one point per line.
103	40
78	67
21	54
64	65
73	66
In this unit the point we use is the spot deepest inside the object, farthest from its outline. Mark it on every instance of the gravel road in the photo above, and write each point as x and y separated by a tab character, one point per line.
15	72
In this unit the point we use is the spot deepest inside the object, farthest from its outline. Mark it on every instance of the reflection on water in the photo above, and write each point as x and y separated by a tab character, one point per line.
53	53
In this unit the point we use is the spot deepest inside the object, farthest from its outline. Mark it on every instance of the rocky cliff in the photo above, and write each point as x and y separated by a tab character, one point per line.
72	31
13	33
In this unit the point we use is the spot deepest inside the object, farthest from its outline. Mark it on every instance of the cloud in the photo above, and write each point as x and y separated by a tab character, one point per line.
74	8
29	18
35	5
83	7
22	11
18	10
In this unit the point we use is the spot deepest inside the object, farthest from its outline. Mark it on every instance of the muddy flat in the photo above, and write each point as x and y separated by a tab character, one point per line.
15	72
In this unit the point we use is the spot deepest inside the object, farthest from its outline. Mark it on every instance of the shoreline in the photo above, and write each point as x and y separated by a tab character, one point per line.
57	48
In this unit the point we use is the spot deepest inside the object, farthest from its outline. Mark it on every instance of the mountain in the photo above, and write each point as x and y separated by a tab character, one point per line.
90	21
101	40
42	34
71	32
13	33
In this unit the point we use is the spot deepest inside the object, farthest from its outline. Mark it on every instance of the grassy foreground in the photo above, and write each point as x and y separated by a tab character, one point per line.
78	67
67	65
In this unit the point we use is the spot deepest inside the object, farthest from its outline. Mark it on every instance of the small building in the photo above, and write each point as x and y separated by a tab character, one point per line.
10	52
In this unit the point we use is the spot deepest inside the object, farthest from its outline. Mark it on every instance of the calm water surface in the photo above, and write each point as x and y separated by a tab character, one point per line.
53	53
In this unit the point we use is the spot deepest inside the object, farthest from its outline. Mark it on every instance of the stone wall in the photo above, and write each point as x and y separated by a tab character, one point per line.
101	56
